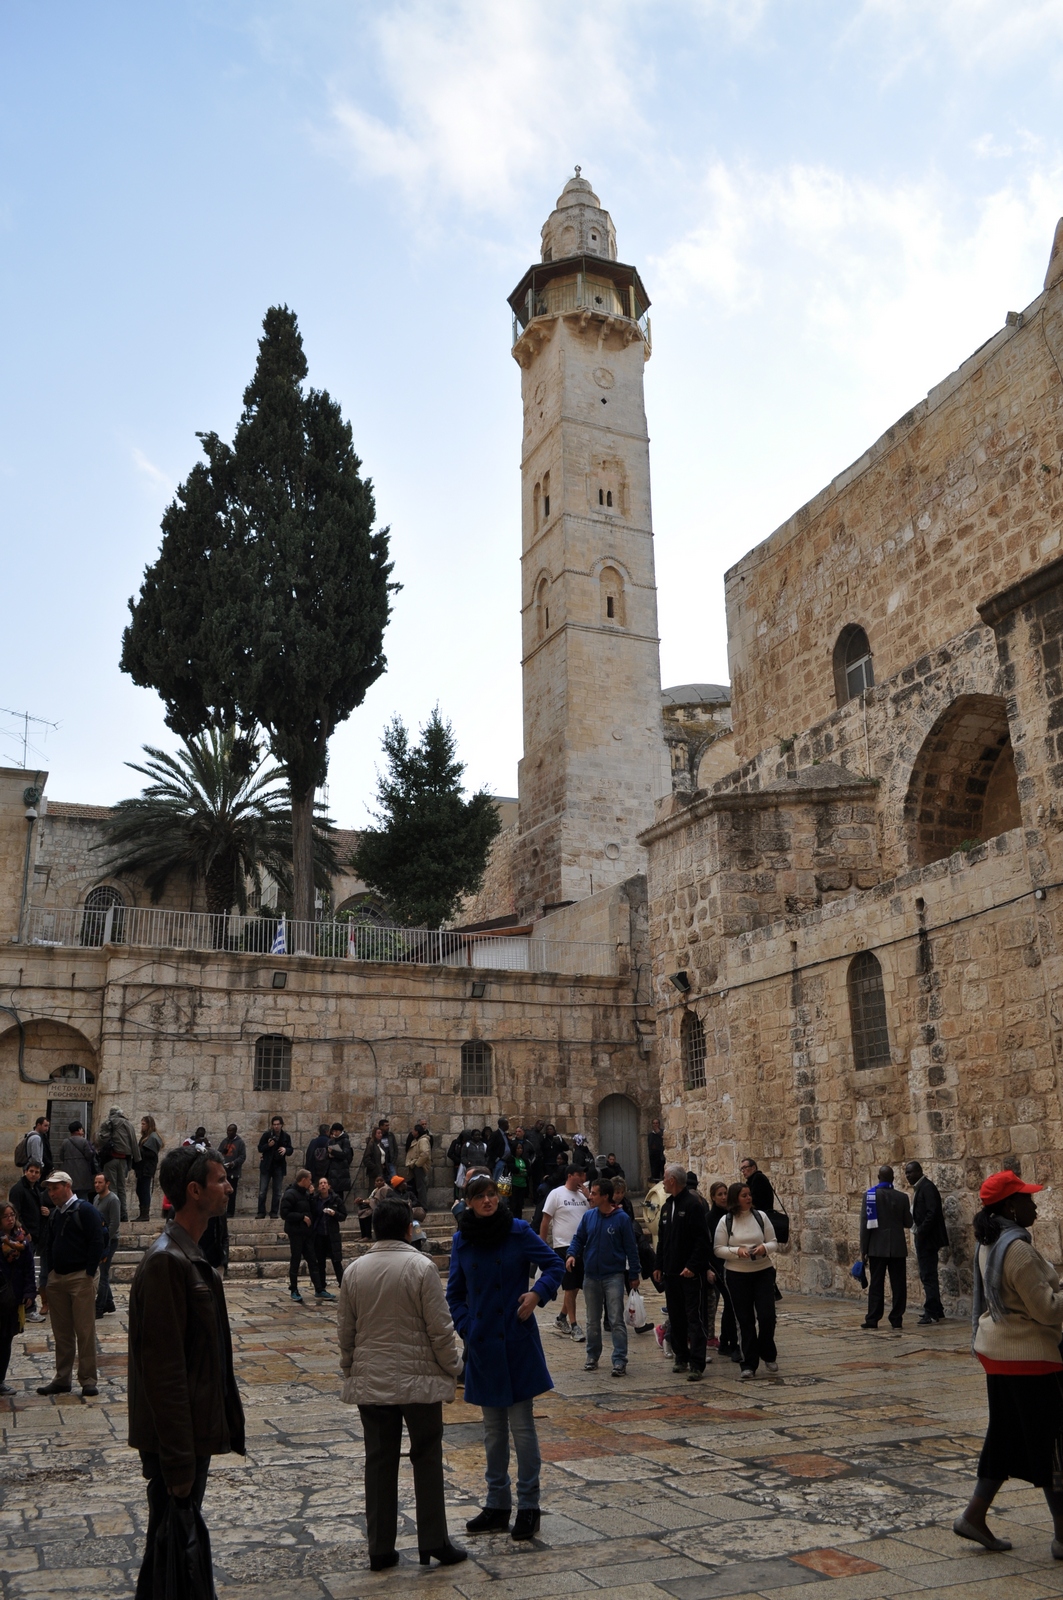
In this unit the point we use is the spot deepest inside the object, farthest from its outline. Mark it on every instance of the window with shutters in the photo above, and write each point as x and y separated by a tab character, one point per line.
867	1012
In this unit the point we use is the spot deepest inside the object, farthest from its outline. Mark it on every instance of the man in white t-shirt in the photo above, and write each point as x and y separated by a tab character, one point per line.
562	1210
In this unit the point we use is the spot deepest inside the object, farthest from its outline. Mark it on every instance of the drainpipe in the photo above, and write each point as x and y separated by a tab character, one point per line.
30	798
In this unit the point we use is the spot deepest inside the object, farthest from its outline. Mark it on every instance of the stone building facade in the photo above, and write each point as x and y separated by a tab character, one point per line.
856	932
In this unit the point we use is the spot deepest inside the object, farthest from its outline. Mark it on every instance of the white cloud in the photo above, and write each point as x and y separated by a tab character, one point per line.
487	96
153	474
858	266
980	33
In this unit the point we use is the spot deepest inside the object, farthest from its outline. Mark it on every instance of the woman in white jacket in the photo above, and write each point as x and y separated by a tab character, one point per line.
400	1358
745	1240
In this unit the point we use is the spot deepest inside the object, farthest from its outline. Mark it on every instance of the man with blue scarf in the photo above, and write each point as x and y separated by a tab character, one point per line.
884	1247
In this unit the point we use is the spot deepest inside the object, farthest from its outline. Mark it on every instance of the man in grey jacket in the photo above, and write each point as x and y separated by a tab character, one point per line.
78	1158
107	1205
884	1222
118	1138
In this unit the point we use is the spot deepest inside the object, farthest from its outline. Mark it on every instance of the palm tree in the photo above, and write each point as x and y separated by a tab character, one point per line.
213	814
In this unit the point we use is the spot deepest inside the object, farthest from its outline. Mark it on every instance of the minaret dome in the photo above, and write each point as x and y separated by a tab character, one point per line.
578	226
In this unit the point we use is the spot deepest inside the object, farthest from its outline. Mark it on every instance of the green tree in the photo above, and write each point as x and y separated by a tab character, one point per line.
215	815
431	845
269	599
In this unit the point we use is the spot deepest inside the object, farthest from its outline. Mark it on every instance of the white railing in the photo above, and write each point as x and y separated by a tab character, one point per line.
154	928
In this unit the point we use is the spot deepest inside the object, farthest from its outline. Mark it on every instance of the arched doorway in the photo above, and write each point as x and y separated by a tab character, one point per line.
963	787
618	1131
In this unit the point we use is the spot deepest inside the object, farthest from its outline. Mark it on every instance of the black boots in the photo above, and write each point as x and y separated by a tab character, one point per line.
490	1519
526	1524
448	1555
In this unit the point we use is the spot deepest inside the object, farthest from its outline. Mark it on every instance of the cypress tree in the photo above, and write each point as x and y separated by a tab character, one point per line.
269	599
431	845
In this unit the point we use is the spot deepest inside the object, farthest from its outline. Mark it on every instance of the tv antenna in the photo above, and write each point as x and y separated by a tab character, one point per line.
26	717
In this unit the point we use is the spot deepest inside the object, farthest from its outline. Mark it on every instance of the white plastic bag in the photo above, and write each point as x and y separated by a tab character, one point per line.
635	1313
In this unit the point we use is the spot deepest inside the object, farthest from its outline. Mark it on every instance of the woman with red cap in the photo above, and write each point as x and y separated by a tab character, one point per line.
1018	1321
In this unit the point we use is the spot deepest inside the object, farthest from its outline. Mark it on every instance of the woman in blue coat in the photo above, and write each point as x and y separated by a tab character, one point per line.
493	1311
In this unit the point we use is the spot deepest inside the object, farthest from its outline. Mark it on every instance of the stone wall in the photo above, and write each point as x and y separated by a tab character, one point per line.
175	1035
962	496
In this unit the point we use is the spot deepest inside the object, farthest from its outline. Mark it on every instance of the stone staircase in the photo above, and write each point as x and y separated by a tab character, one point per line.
259	1249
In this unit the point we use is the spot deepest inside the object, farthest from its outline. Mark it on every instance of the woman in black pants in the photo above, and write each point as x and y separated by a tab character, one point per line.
727	1344
16	1285
746	1240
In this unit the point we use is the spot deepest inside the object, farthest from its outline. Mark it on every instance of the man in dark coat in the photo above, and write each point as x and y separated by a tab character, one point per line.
274	1148
655	1147
184	1406
931	1235
340	1157
331	1211
300	1210
234	1151
316	1158
77	1157
758	1183
884	1247
33	1208
498	1148
683	1258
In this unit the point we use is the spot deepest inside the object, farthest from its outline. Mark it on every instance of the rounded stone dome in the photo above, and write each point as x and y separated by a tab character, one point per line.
577	192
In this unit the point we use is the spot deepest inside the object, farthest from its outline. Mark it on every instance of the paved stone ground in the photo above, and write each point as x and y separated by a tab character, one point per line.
836	1480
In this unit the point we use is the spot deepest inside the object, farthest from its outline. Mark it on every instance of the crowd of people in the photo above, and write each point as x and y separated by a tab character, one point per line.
405	1342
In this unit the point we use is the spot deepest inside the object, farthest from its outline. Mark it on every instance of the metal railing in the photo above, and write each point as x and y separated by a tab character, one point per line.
151	927
582	293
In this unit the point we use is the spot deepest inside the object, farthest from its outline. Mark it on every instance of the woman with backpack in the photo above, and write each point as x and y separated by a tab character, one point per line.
745	1241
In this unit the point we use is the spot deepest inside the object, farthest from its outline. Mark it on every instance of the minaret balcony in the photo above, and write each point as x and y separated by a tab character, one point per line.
586	284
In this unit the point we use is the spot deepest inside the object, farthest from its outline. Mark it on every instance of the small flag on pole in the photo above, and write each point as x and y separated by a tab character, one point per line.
280	943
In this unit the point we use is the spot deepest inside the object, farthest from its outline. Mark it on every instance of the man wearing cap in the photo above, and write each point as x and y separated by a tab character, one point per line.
75	1248
884	1246
931	1235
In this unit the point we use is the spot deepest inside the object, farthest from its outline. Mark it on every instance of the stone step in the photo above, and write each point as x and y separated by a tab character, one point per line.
123	1271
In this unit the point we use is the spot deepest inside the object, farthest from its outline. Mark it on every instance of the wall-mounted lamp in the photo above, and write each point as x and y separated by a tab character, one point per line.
279	980
479	989
680	981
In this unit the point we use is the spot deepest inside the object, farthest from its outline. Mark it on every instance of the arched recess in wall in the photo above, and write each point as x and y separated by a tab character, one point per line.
618	1132
963	788
542	605
853	667
63	1064
867	1012
612	595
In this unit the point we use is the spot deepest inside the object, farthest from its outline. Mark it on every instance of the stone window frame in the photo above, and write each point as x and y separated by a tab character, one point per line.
273	1064
868	1021
692	1051
477	1069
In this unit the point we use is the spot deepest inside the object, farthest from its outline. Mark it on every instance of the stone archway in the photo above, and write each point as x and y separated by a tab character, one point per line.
62	1065
963	788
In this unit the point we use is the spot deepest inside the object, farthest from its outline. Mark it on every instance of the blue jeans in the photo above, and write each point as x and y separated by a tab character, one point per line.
499	1423
607	1292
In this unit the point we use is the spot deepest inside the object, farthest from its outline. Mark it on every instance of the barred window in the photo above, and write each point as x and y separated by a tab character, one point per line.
273	1062
867	1012
101	902
475	1068
692	1043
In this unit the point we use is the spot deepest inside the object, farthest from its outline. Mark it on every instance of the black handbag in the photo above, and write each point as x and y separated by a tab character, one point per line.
182	1568
780	1221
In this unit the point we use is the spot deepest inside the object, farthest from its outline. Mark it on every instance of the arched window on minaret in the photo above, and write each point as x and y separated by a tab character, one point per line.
537	497
611	586
542	607
546	496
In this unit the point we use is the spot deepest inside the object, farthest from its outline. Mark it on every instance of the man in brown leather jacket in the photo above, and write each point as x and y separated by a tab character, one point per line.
184	1406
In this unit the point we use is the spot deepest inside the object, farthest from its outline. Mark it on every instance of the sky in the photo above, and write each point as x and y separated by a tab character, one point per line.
831	205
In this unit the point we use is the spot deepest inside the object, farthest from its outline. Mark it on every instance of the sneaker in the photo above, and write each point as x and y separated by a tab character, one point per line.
696	1375
35	1316
746	1373
658	1334
896	1333
561	1321
89	1389
681	1366
590	1366
619	1372
323	1294
772	1366
578	1334
297	1296
925	1322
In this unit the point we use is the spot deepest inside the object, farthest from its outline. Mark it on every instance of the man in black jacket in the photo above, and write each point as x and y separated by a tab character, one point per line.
33	1210
884	1246
655	1147
300	1210
331	1211
233	1151
758	1183
683	1258
184	1405
931	1235
75	1243
340	1157
274	1147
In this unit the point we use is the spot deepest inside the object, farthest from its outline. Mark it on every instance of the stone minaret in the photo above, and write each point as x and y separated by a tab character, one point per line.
594	759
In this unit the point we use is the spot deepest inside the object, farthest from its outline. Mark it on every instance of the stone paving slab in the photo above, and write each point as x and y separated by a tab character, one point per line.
837	1479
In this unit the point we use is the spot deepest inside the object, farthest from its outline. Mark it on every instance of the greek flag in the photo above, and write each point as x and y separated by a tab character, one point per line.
280	942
